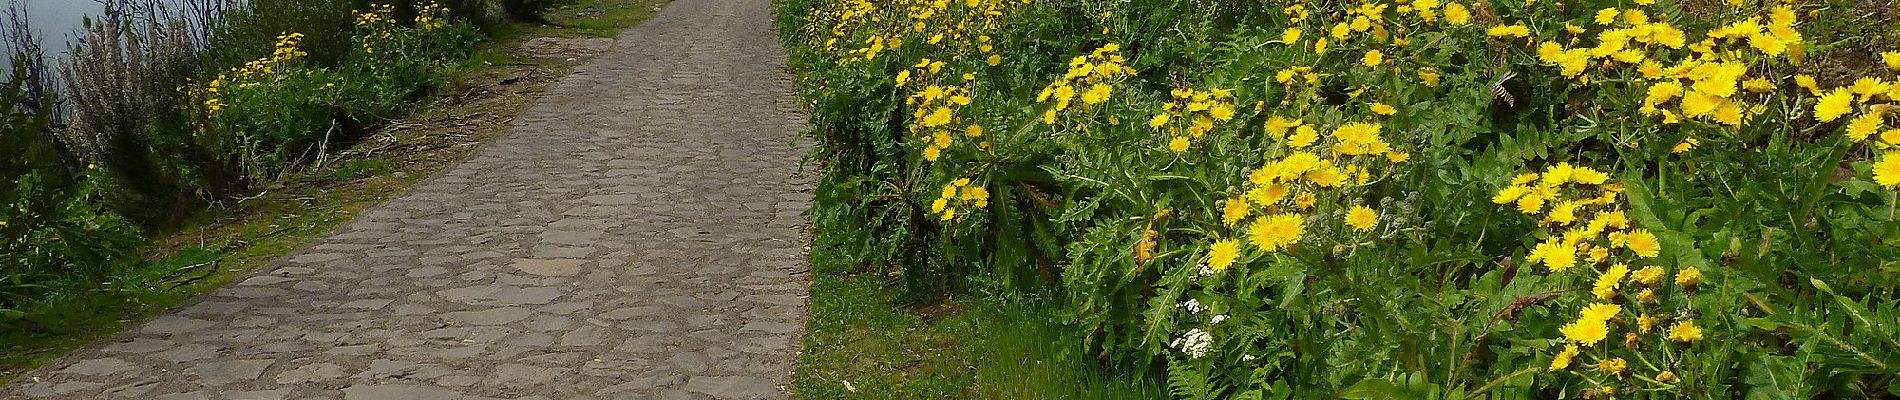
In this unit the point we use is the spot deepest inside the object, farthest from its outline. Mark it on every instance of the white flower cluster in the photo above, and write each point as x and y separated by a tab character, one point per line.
1217	319
1193	306
1194	343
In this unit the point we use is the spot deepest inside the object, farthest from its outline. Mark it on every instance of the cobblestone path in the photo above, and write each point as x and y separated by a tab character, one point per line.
636	234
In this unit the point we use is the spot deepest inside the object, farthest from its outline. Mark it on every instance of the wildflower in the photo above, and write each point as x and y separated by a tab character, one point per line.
1234	210
1362	218
1178	145
1383	109
1513	30
1373	58
1194	343
1648	276
1833	105
1222	254
937	117
1887	171
1892	59
1271	233
1096	94
1555	255
1645	322
1685	145
1278	126
1600	312
1614	366
1806	81
1457	14
1290	36
1685	331
1647	296
1562	360
1610	281
1585	332
1303	136
1665	376
1689	277
1643	243
1865	125
1429	76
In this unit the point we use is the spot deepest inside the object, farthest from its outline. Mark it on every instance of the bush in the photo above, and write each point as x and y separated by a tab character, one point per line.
1441	199
53	235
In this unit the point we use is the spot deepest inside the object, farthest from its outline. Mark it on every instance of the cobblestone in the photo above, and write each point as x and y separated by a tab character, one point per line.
635	234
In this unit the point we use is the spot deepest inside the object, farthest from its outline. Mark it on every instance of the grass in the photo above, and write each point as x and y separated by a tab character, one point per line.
235	237
861	344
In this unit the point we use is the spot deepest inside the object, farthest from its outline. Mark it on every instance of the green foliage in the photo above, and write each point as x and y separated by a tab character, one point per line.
1160	135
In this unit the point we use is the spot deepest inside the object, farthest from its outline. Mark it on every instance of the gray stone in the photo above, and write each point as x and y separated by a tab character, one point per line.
733	387
492	316
100	366
219	373
550	267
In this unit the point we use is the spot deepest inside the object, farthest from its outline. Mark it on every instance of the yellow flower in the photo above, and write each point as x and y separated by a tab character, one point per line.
1179	144
1373	58
1158	121
1833	105
1234	210
1303	136
932	152
937	117
1429	76
1278	126
1892	59
1562	360
1685	331
1806	81
1457	14
1649	275
1362	218
1614	366
1887	171
1096	94
1599	312
1271	233
1222	254
1554	254
1384	109
1665	376
1865	125
1686	145
1643	243
1689	277
1513	30
1610	281
1290	36
1585	332
1645	322
1607	16
994	60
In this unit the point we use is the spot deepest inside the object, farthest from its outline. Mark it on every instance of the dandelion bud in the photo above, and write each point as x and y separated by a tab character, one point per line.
1665	376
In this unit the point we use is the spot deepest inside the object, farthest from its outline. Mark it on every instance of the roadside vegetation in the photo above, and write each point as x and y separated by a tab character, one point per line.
1436	199
153	170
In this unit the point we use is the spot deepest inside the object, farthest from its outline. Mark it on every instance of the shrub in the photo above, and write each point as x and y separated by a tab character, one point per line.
1416	199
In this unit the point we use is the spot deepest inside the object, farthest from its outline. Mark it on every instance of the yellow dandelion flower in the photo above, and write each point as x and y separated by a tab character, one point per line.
1554	254
1649	276
1645	322
1865	125
1892	59
1599	312
1887	171
1613	366
1685	331
1290	36
1665	376
1833	105
1563	358
1806	81
1689	277
1271	233
1222	254
1362	218
1303	136
1096	94
1179	144
1585	332
1234	210
1643	243
1384	109
1373	58
1457	14
1610	281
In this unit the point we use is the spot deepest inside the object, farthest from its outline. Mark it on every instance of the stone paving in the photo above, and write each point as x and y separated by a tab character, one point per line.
636	234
